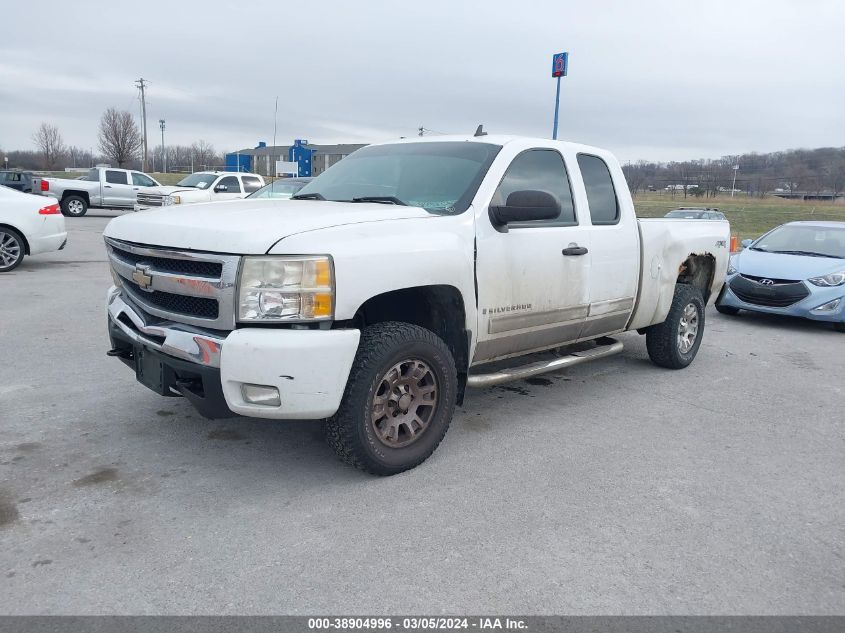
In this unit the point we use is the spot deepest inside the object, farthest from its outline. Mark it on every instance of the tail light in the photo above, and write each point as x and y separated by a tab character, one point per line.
45	186
50	209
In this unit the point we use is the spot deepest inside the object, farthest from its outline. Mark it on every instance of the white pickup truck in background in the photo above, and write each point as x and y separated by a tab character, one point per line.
203	186
101	187
403	274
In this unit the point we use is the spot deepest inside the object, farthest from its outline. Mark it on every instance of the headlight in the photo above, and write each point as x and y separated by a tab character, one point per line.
833	279
731	267
286	288
168	200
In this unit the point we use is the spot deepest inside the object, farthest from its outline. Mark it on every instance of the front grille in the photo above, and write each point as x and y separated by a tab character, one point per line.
211	270
174	285
780	294
772	279
150	199
197	307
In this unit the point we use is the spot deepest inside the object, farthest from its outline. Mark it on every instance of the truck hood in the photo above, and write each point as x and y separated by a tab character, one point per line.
246	227
167	190
783	266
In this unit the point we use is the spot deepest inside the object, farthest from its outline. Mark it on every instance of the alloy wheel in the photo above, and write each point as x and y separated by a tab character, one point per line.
688	328
404	403
10	250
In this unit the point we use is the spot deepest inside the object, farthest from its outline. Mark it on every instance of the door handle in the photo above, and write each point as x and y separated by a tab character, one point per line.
106	186
574	249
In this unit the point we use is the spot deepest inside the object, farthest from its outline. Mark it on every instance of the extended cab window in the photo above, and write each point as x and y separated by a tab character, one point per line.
251	183
231	183
539	170
140	180
601	196
116	177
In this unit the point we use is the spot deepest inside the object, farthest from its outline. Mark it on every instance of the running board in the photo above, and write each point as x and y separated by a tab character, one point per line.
605	347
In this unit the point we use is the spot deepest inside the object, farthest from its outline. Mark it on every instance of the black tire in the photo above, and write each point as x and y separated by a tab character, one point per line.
12	249
353	434
74	206
727	310
664	340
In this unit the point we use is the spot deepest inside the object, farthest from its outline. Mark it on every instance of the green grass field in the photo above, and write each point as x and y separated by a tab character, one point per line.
749	217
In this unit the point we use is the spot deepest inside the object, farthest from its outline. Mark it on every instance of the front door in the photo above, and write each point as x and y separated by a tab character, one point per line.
533	277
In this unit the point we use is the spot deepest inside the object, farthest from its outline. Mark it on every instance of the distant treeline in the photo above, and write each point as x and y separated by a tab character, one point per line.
819	170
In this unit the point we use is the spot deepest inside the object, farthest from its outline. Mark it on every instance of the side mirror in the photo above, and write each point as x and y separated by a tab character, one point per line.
746	243
525	206
221	189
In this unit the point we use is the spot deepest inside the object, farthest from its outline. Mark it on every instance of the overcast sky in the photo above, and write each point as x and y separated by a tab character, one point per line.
648	79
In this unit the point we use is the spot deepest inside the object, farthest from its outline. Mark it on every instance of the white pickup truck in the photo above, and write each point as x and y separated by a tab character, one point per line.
102	187
405	273
203	186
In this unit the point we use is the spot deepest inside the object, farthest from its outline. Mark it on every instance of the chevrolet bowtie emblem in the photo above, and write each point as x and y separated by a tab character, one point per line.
142	276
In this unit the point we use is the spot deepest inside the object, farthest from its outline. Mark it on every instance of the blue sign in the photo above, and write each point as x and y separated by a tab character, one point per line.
560	64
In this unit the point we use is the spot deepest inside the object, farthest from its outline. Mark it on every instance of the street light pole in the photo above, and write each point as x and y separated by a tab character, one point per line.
733	186
163	153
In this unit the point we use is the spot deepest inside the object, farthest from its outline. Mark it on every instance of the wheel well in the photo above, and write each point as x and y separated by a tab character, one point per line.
19	232
81	194
698	271
436	308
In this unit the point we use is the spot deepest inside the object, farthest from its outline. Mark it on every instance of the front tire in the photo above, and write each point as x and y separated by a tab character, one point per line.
398	401
74	206
674	343
12	249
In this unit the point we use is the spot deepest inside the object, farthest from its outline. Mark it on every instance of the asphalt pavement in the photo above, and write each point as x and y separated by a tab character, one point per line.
611	488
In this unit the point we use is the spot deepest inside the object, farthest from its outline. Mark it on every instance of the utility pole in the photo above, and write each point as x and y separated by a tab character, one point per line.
733	186
141	84
163	153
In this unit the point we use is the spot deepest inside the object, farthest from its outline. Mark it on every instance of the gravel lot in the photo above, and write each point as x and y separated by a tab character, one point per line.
614	487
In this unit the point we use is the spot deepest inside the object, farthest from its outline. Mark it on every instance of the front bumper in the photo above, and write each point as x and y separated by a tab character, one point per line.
806	308
309	368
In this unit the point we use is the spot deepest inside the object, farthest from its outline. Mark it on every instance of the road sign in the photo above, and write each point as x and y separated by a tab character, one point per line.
560	64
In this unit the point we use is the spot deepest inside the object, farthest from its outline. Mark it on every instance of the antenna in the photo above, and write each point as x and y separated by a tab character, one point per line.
479	131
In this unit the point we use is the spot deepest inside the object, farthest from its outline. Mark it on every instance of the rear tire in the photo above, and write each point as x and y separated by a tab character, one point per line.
74	206
12	249
674	343
398	401
727	310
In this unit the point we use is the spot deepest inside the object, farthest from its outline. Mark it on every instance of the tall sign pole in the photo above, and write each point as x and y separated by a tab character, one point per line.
560	68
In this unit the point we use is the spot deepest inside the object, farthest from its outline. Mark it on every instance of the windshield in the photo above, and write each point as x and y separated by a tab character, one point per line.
440	177
796	239
689	215
197	181
278	189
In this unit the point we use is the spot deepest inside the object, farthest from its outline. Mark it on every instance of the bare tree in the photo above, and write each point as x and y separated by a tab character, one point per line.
48	140
120	139
203	154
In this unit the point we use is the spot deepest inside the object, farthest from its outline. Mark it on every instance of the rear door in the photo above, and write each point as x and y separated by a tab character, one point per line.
614	245
117	191
532	278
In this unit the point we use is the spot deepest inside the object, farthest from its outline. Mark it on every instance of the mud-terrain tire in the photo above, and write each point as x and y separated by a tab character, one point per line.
74	206
398	401
674	343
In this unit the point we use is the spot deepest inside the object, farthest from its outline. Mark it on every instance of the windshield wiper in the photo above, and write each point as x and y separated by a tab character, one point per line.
308	196
757	248
807	253
380	200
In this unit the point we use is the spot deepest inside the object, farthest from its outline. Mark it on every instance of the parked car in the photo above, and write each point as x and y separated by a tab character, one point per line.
389	283
101	187
24	181
696	213
204	186
29	225
281	189
797	269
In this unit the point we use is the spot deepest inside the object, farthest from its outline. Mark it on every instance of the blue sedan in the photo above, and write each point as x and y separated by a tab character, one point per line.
797	269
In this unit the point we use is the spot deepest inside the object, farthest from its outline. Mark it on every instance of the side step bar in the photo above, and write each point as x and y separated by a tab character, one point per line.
605	347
